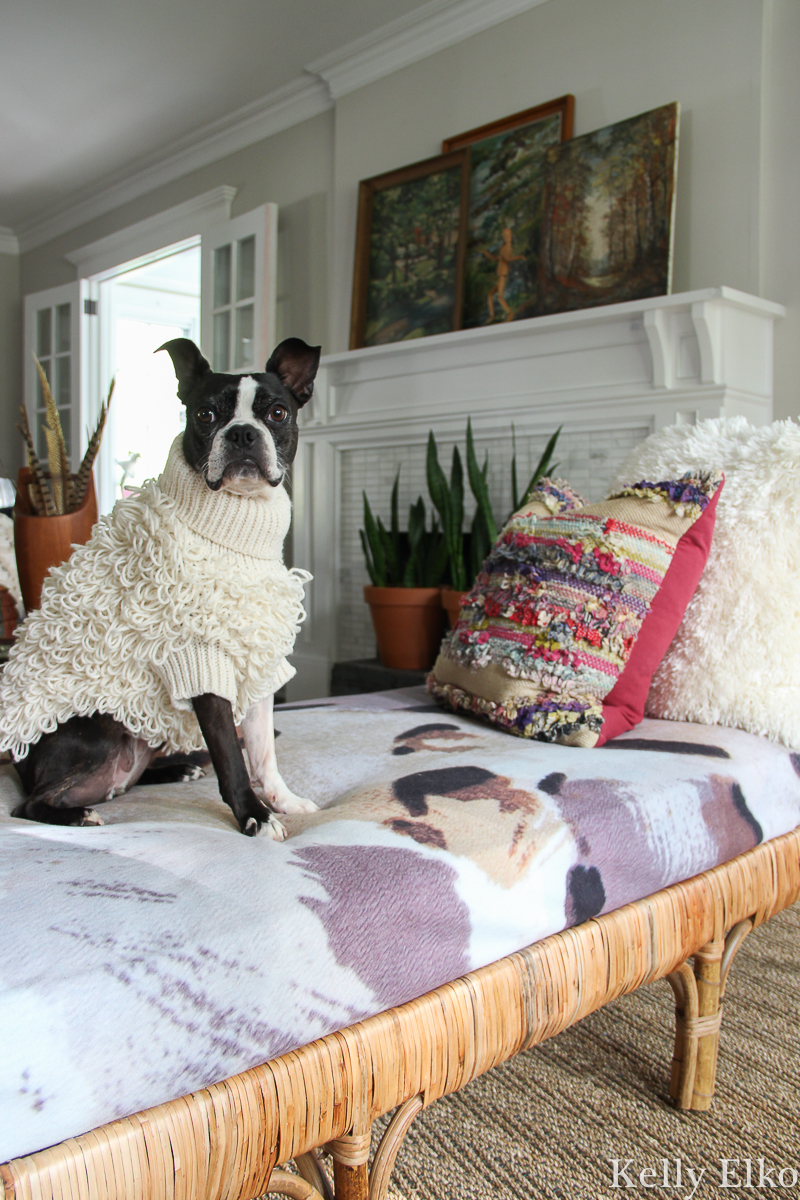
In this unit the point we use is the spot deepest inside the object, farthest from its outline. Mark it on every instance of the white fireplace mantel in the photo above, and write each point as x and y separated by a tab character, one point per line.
607	375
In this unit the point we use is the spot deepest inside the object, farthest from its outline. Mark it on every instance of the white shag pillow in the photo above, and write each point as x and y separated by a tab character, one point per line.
735	659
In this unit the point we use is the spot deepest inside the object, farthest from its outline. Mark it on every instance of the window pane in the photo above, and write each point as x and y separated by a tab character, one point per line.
44	338
246	268
48	375
222	340
62	387
244	336
222	276
63	331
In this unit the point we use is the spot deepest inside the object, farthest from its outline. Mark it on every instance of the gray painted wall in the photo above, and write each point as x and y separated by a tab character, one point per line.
11	455
731	64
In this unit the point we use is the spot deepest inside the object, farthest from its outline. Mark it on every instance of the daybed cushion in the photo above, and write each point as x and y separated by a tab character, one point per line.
164	951
575	606
736	657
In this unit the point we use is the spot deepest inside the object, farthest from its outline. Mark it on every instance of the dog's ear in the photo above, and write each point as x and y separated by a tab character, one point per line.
295	364
189	364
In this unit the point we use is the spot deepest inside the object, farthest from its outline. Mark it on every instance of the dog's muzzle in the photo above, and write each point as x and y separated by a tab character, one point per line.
242	452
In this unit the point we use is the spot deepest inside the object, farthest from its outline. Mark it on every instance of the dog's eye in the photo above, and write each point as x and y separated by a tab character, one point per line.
278	413
206	415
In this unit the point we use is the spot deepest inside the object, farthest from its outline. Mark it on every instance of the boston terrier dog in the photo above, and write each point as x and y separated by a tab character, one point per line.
240	437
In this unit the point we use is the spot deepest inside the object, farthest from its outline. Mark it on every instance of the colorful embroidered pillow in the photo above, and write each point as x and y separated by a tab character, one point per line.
575	607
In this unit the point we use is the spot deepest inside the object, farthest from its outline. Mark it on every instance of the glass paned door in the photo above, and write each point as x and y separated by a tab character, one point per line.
52	334
234	290
239	289
54	351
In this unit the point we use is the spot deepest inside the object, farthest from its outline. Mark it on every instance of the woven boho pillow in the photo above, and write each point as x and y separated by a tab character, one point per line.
575	607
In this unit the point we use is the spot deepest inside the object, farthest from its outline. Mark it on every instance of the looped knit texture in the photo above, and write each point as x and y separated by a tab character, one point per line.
180	591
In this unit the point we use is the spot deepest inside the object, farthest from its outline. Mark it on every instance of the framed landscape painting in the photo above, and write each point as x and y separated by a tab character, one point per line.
409	265
506	185
606	231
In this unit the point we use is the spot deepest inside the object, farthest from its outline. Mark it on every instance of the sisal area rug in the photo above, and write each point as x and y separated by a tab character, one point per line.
552	1122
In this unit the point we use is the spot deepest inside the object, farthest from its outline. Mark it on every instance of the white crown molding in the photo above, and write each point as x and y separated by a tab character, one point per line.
8	241
425	31
431	28
166	228
281	109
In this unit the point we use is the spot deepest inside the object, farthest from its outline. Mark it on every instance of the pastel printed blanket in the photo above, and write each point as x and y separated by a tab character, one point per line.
164	951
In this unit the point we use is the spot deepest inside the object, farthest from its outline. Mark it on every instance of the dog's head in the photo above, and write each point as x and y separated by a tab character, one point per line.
241	430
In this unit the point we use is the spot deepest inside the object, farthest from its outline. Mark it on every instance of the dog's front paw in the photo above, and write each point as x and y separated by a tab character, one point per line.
271	828
191	772
282	799
287	803
90	817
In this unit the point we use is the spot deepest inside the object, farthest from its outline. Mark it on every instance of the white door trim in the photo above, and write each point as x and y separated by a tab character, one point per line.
172	225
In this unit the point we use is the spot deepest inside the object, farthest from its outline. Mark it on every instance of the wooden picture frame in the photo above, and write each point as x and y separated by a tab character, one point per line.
507	166
563	105
608	214
412	222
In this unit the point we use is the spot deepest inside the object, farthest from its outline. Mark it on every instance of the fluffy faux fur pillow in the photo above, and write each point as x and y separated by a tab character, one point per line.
736	657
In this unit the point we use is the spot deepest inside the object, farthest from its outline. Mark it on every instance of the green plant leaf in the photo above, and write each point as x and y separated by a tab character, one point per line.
370	568
395	527
479	486
480	543
375	546
544	466
437	483
391	555
457	488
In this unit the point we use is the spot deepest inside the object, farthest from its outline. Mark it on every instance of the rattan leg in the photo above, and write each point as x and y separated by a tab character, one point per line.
708	970
391	1142
308	1166
684	1055
698	1015
281	1183
350	1170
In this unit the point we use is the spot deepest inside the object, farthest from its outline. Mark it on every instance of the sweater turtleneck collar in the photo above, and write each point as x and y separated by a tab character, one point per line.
252	525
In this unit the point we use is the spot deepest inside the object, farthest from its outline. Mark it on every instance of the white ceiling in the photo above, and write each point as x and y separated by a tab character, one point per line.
88	87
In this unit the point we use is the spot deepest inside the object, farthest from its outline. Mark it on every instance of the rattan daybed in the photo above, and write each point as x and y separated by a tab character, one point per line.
229	1139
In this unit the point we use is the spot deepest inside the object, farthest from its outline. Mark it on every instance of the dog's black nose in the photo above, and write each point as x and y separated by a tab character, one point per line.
243	436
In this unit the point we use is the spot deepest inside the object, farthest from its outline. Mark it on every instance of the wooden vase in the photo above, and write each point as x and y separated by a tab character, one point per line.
409	623
44	542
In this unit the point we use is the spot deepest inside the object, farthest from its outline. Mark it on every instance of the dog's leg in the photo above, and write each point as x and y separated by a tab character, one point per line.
83	761
216	723
259	742
176	768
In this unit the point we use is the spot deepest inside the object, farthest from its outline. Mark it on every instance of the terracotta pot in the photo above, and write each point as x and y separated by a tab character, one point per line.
44	542
451	603
409	623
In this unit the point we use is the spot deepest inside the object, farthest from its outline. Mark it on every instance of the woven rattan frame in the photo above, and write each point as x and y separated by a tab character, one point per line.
222	1143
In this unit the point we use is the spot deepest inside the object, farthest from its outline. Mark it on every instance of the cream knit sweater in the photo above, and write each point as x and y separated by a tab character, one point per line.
178	592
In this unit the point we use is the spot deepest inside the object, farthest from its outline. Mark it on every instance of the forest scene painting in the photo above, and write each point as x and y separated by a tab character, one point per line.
506	190
607	214
413	272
